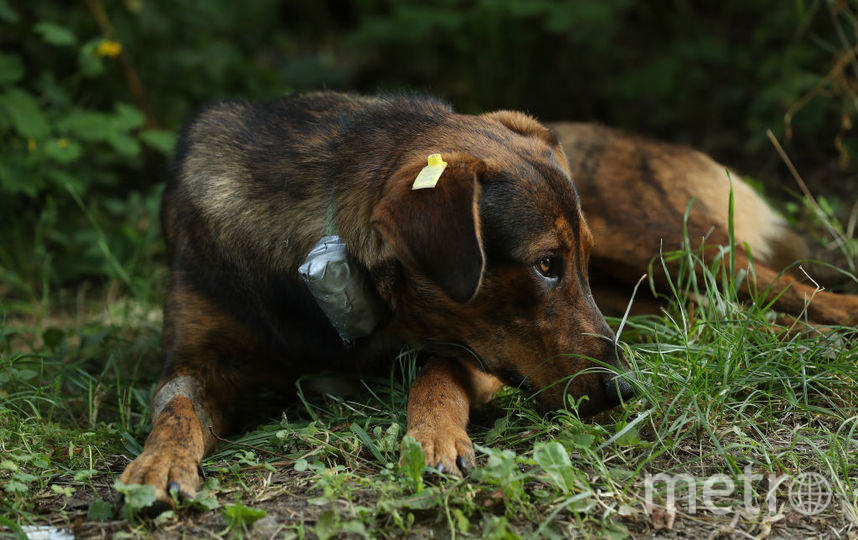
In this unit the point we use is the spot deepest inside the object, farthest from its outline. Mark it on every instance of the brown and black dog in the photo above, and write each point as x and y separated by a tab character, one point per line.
493	259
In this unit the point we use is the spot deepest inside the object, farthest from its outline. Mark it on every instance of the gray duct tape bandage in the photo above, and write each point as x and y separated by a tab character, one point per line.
342	289
185	386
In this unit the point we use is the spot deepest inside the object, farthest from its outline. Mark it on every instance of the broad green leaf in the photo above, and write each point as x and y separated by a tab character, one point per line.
25	374
55	34
84	475
211	484
127	117
136	495
13	486
159	139
387	443
65	491
124	144
354	527
239	514
87	125
500	469
63	150
11	68
581	440
110	128
206	498
22	476
24	111
164	517
99	510
554	460
412	462
89	63
627	435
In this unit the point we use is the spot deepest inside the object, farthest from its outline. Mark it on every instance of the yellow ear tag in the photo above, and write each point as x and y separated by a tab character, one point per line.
430	174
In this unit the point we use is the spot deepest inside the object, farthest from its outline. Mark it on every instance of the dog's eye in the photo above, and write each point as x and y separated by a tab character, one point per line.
547	267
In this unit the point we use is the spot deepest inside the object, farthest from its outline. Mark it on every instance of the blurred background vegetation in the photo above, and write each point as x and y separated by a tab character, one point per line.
93	92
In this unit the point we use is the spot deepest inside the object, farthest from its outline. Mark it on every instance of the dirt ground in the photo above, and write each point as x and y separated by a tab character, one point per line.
289	500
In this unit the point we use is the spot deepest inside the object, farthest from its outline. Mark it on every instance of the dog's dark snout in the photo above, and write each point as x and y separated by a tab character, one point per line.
618	388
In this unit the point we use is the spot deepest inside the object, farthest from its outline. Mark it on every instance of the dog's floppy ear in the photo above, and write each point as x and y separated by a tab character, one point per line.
526	125
437	230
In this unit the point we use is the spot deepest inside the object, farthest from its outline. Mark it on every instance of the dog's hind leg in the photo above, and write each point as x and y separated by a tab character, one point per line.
439	403
791	296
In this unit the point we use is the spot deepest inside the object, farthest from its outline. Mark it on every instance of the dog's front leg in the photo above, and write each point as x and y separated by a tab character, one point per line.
182	433
438	406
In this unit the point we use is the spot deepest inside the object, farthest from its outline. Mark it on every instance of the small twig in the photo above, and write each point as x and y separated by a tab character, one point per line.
853	219
838	237
839	67
818	288
132	78
844	41
270	463
815	284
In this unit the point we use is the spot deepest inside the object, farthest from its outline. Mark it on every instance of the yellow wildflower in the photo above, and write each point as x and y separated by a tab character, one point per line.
62	143
110	48
31	144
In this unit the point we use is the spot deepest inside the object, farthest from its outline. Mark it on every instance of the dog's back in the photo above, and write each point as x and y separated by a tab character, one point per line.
627	180
241	166
635	193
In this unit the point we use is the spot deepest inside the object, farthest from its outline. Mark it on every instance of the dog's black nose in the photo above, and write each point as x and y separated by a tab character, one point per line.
618	388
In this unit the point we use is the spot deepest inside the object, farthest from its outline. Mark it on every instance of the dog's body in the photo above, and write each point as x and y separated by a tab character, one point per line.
493	258
635	193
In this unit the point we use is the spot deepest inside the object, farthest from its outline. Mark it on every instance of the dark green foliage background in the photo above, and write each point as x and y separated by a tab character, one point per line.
712	74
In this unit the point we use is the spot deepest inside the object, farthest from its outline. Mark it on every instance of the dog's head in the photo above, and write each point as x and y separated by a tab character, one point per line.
495	258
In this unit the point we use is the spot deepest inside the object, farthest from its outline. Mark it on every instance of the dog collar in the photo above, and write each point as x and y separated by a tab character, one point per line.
342	289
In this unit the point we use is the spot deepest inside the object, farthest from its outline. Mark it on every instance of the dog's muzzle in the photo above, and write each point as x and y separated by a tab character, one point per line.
618	388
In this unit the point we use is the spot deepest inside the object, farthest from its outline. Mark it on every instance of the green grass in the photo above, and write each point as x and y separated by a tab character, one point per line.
721	387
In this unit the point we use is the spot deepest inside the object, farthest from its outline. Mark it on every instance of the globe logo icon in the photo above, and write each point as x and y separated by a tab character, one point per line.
809	493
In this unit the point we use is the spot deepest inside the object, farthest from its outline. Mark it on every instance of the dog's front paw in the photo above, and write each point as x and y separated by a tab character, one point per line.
171	470
448	450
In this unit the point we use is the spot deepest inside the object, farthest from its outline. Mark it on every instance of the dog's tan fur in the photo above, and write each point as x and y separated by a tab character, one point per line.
635	192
